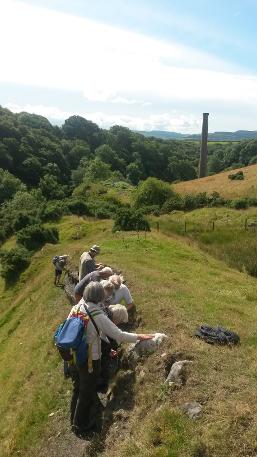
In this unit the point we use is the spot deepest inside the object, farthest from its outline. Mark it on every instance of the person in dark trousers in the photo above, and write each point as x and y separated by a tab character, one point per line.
59	262
84	399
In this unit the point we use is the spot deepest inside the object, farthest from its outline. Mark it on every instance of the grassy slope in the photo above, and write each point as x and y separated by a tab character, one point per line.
227	239
176	287
220	183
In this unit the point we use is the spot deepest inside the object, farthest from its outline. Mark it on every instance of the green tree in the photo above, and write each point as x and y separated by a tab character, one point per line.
97	170
77	153
51	189
13	262
152	191
34	121
78	127
9	185
109	156
134	172
215	164
31	171
6	161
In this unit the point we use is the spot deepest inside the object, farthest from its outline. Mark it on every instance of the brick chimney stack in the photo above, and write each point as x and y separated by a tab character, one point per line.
204	147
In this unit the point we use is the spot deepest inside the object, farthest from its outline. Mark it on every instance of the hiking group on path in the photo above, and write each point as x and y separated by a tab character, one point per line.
88	339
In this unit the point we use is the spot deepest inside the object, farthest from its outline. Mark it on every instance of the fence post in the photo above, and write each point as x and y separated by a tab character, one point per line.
185	226
213	225
157	226
246	224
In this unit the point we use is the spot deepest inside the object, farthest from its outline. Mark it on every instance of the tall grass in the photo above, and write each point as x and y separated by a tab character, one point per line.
238	249
228	242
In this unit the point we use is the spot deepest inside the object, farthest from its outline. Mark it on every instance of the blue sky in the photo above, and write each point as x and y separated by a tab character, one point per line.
143	64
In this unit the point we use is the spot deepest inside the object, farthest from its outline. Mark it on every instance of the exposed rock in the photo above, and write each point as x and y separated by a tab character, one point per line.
176	371
192	409
141	348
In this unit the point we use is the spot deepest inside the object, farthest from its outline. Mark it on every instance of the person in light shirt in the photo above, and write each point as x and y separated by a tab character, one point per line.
121	292
84	398
87	262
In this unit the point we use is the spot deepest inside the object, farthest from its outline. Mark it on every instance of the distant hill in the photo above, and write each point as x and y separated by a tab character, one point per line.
215	136
222	184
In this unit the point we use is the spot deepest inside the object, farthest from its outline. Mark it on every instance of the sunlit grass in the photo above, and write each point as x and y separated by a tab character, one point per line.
176	287
220	183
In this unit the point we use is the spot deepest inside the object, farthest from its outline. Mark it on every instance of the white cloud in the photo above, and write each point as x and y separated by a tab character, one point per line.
164	121
46	48
50	112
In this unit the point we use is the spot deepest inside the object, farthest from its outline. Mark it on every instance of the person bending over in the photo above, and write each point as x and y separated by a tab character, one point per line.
96	275
121	292
59	262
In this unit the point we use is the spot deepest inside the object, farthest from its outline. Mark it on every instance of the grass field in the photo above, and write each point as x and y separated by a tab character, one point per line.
228	234
176	288
220	183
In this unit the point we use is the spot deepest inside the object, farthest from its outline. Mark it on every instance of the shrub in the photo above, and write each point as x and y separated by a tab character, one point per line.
103	213
35	236
216	200
13	262
2	234
129	219
252	201
174	203
153	209
24	219
52	212
236	176
102	209
190	202
79	207
152	191
240	203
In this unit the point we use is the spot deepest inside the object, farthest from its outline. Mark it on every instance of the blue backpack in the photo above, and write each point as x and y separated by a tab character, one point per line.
71	338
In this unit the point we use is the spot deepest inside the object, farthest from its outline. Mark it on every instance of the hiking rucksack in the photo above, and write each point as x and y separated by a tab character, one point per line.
55	259
71	338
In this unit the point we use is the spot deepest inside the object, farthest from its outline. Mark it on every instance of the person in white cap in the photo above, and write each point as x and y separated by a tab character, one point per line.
87	262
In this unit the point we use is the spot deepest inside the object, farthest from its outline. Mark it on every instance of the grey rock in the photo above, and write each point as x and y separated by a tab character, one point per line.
192	409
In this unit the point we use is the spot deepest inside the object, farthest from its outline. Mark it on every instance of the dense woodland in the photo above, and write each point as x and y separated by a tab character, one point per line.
56	160
47	171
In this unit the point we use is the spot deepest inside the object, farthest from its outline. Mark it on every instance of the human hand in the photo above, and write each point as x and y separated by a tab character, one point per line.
144	337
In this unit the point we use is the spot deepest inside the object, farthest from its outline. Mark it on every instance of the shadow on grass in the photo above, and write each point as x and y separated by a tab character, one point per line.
121	400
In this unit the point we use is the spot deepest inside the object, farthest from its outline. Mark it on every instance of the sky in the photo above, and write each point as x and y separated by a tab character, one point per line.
143	64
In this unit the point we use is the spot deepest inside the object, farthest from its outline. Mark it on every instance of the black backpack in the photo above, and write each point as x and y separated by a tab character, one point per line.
55	259
217	335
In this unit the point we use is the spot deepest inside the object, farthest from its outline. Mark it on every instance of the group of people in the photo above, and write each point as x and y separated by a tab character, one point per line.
98	294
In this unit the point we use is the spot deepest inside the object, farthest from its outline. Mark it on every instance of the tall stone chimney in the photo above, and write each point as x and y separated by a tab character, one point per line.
204	147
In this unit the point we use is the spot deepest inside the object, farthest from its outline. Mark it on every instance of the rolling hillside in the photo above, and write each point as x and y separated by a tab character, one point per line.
176	287
212	136
220	183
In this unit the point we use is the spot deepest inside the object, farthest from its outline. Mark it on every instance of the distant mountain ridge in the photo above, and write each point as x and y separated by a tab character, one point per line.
215	136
